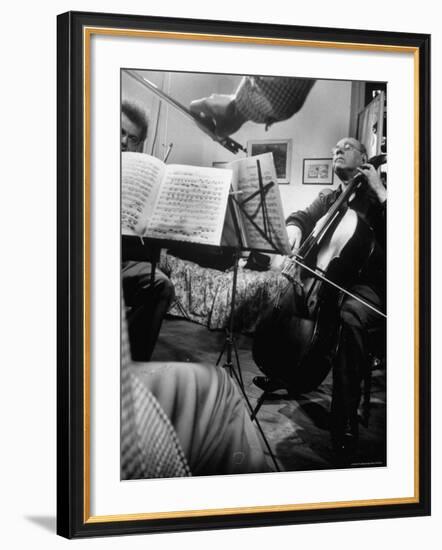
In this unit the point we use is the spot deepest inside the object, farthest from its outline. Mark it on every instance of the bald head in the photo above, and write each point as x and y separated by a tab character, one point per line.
348	154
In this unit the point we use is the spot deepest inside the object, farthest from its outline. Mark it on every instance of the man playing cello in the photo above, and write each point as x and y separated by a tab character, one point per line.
355	317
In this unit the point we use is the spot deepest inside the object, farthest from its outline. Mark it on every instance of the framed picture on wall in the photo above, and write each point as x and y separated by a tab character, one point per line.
117	425
317	172
282	155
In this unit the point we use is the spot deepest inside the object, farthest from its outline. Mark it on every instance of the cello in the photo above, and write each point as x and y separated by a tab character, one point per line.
297	339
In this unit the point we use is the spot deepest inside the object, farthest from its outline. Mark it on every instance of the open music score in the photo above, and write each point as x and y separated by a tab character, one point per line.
189	203
173	202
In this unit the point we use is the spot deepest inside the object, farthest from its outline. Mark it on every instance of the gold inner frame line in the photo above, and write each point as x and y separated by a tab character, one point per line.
87	34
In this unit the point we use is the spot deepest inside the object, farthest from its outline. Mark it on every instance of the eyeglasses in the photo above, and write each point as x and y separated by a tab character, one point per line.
346	147
133	140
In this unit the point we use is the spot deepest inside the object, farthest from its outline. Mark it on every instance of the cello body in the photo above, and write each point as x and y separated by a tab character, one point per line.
298	336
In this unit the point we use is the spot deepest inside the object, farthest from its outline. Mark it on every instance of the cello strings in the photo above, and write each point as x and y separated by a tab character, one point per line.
342	289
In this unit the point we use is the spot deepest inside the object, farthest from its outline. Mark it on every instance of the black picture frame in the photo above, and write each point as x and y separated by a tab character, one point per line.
73	250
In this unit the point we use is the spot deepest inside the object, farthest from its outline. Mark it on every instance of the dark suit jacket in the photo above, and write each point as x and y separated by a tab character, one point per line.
371	211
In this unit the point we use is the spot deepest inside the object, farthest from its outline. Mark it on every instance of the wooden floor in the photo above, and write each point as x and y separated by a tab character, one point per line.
297	430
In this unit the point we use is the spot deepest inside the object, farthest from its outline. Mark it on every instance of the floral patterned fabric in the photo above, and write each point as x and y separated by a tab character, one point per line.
204	294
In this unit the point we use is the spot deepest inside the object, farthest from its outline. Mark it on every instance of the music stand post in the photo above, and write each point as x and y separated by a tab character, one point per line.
229	346
229	342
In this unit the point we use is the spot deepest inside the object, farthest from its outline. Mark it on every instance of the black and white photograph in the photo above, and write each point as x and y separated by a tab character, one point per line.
243	262
253	314
222	249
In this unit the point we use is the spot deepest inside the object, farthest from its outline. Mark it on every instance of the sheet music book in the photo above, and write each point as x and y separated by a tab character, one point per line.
190	203
173	202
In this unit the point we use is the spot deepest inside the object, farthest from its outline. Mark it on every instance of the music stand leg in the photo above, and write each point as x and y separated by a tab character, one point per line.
258	405
221	352
229	345
255	419
235	348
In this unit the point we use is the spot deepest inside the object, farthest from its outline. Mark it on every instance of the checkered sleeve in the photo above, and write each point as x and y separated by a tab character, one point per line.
149	444
268	99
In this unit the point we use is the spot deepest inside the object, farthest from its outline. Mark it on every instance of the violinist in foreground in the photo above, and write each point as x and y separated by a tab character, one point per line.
354	312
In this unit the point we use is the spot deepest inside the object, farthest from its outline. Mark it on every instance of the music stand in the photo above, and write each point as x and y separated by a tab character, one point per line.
229	346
